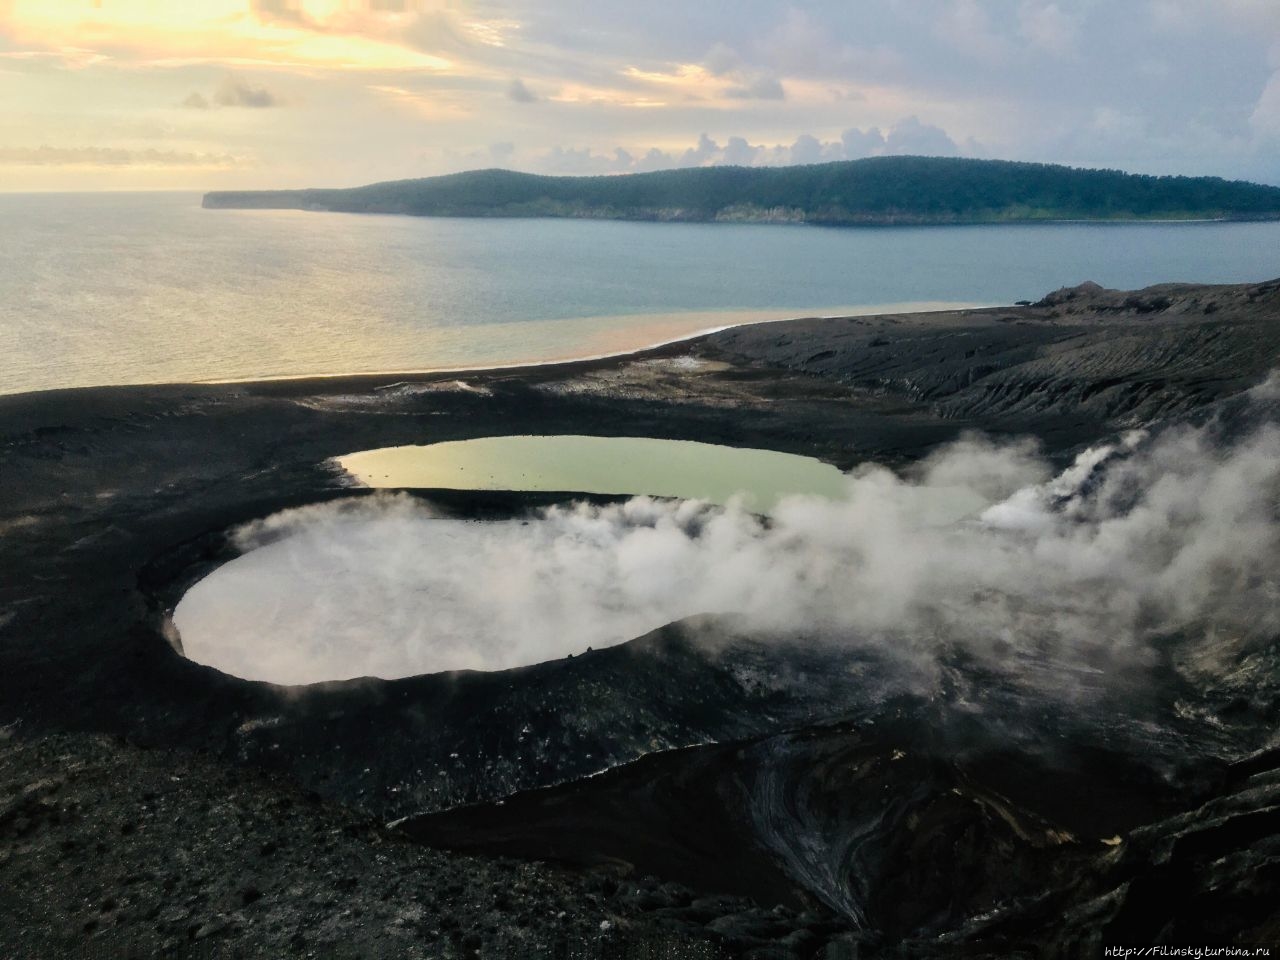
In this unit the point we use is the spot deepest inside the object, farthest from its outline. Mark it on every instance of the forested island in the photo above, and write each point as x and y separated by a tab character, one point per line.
877	190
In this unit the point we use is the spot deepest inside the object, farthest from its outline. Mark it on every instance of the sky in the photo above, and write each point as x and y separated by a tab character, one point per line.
210	94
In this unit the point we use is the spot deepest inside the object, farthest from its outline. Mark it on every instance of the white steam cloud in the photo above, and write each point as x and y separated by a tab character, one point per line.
1136	541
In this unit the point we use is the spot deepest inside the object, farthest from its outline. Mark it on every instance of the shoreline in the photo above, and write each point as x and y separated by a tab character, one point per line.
888	223
879	311
872	311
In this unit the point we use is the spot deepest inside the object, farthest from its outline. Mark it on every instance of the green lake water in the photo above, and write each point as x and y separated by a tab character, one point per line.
608	465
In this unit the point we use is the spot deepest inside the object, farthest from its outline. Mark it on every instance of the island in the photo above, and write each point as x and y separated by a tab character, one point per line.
872	191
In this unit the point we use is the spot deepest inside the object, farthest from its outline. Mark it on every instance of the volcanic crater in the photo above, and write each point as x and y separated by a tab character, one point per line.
726	784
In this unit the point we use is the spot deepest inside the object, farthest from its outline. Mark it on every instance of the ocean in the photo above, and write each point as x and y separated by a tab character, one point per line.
119	288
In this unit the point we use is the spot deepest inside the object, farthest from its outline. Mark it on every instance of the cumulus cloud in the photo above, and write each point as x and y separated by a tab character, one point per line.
236	92
862	143
517	91
654	159
1082	571
232	91
737	152
581	161
908	136
706	151
806	149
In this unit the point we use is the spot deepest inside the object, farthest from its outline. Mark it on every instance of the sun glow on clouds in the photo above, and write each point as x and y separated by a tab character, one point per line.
684	75
428	106
366	90
683	81
314	33
578	93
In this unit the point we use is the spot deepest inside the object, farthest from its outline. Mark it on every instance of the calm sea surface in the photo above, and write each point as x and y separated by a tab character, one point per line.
141	288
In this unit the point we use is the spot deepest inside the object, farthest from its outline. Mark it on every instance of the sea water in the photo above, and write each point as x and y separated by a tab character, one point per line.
140	288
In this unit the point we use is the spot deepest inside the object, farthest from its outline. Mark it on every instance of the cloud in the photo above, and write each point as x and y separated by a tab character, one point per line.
232	92
737	152
721	59
762	88
655	159
582	161
284	10
1045	578
966	26
1265	118
1047	28
235	92
801	44
862	143
1171	14
46	156
65	57
908	136
1253	15
517	91
1026	77
806	149
707	151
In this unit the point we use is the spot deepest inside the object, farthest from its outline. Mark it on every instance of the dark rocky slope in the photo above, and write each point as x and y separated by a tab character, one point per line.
1081	354
121	852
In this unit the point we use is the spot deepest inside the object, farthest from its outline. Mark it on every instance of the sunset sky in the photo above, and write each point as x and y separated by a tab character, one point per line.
141	94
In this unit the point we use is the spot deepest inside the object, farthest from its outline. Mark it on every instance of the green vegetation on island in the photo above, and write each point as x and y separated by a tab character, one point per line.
878	190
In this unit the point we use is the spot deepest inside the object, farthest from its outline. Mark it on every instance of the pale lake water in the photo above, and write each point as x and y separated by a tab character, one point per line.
144	288
610	465
757	480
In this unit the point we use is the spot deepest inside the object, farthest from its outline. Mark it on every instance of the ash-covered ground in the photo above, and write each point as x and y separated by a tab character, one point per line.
1067	742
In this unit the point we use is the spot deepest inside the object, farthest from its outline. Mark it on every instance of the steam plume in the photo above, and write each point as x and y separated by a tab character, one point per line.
1137	540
